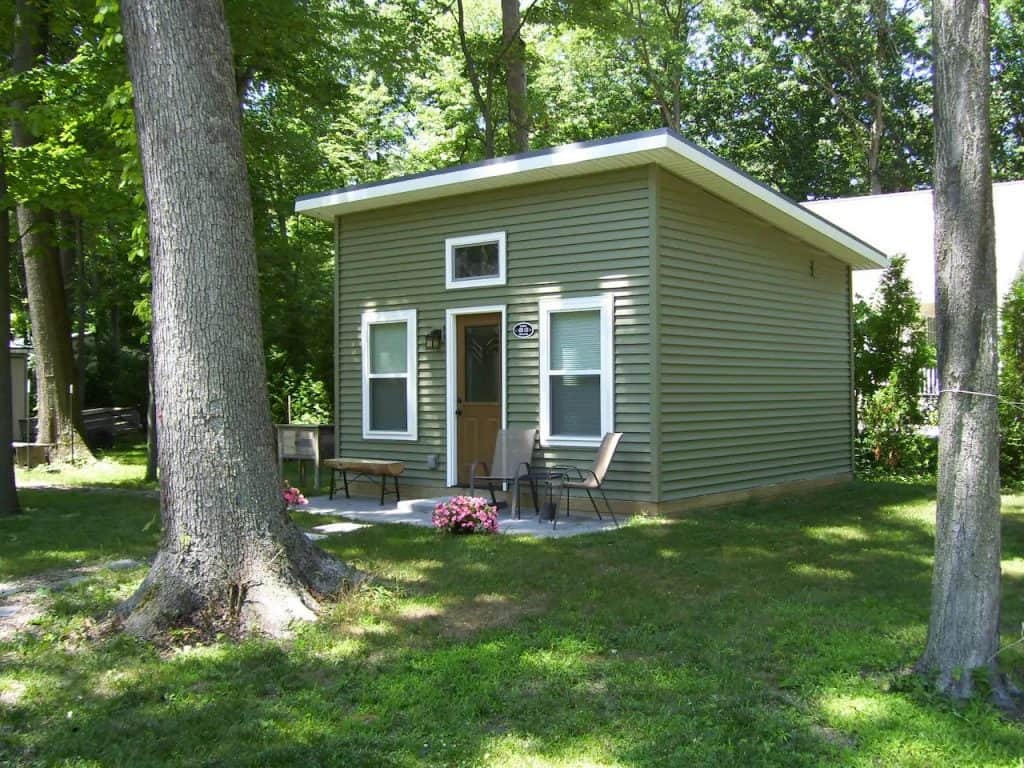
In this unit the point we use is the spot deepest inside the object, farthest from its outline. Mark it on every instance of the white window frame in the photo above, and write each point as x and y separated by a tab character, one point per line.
548	307
371	318
450	281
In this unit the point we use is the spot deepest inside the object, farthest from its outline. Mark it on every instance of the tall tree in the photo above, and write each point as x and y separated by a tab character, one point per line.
515	75
229	549
8	491
866	57
963	631
58	403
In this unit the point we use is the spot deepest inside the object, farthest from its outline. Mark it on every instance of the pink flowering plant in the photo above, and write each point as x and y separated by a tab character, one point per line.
466	514
292	496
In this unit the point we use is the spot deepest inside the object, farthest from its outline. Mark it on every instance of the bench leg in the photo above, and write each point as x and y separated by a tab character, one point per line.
344	476
383	480
333	475
397	495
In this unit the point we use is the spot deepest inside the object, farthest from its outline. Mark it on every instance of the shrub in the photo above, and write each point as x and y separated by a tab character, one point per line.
466	514
292	496
891	344
889	443
1011	384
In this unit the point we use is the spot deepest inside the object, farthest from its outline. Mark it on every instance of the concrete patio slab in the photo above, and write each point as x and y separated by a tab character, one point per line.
418	512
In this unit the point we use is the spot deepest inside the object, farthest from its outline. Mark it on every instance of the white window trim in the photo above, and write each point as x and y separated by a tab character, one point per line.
452	243
547	307
408	316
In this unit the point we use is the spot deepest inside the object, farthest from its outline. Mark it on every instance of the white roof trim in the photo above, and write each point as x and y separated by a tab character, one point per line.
661	147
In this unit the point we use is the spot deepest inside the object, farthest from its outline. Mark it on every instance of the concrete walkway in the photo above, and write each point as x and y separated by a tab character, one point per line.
361	511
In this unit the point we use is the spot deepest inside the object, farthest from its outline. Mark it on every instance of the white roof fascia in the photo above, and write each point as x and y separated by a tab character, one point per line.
570	154
661	147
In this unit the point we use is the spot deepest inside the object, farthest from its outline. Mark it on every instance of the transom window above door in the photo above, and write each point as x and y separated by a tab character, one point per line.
475	261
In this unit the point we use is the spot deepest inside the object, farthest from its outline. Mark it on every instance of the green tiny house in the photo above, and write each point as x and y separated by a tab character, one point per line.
635	284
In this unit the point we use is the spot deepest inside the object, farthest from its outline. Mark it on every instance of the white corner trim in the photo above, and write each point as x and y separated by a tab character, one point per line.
373	317
450	244
451	384
548	306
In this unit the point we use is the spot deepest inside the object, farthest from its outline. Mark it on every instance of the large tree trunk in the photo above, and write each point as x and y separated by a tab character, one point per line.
8	491
515	75
151	430
229	550
58	408
963	633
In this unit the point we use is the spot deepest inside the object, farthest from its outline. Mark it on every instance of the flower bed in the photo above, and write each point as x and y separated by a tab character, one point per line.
292	496
466	514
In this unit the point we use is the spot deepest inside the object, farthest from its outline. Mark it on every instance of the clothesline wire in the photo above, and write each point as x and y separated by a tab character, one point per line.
1015	403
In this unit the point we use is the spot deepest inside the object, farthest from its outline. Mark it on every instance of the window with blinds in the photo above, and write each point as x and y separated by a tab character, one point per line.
576	370
389	375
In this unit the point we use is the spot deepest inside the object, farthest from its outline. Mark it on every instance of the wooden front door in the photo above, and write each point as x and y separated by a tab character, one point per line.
479	378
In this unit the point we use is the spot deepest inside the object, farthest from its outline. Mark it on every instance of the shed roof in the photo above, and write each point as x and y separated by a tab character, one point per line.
662	147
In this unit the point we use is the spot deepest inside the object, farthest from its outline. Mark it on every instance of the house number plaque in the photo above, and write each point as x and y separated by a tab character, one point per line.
523	330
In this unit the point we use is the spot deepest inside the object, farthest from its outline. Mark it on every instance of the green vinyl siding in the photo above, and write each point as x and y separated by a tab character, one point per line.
585	236
754	350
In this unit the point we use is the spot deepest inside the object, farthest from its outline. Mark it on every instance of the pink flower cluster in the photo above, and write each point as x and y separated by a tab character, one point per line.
292	496
466	514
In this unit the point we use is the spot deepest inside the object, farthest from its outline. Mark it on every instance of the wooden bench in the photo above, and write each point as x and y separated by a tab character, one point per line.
366	468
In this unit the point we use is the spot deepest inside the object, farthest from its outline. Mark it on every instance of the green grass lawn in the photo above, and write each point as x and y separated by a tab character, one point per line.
775	634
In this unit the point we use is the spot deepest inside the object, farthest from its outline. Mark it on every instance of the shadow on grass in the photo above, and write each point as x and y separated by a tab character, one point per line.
757	635
64	528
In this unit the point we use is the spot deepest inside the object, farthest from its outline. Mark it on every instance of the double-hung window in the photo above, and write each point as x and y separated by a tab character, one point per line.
577	393
389	375
475	261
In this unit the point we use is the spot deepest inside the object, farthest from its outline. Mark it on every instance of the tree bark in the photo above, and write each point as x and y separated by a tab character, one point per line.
230	554
8	490
963	632
151	429
58	409
515	76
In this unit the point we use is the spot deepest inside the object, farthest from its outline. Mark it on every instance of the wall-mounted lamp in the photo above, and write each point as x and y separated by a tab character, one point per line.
434	340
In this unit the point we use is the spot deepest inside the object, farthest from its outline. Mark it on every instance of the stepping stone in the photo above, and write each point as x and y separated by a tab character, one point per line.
121	565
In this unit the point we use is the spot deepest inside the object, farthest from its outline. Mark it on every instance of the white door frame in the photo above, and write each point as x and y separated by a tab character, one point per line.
451	385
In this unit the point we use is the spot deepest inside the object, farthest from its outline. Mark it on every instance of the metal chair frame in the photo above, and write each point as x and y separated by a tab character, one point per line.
522	468
584	477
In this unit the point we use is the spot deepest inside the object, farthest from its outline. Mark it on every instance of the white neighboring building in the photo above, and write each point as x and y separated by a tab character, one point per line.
902	223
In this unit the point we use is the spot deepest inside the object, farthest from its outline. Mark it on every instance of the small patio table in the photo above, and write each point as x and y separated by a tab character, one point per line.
550	480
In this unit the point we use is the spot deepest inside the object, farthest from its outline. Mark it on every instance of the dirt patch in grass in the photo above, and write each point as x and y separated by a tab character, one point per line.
22	601
487	612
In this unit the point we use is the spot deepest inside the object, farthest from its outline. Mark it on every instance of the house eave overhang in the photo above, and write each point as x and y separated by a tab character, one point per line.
662	147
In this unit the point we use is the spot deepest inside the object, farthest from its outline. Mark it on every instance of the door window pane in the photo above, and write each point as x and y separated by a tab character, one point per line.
388	405
483	359
388	348
576	341
576	405
480	260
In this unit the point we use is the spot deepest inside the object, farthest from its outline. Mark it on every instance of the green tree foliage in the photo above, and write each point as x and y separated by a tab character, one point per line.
1008	89
819	99
1011	384
868	61
891	342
